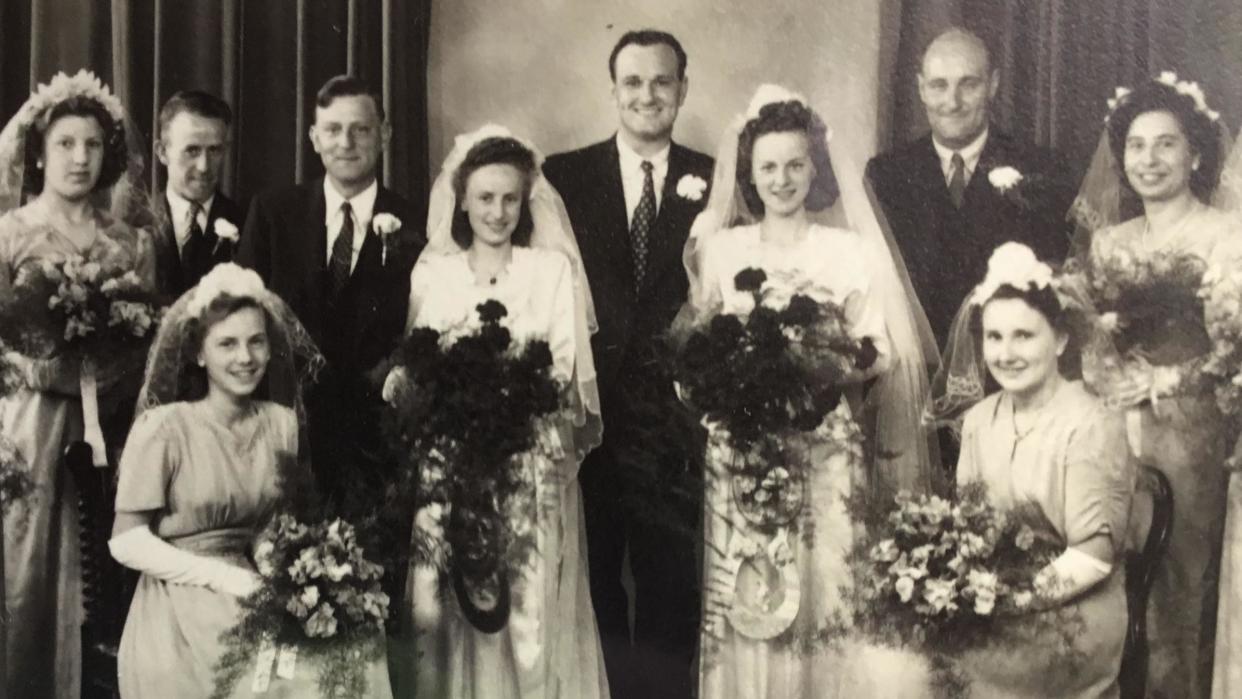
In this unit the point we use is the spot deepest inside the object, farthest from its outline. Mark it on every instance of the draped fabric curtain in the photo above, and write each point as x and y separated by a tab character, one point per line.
265	57
1061	59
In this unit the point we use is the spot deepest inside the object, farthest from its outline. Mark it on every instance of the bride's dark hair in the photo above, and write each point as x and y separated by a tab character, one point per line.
786	117
497	150
115	155
1201	132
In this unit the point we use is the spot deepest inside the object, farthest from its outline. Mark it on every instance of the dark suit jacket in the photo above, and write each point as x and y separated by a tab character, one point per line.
946	249
630	324
174	277
285	241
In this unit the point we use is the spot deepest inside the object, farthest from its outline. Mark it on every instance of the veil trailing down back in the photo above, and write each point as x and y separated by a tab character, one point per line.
906	455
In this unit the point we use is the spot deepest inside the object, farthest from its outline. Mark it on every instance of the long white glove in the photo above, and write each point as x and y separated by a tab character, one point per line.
1071	574
145	552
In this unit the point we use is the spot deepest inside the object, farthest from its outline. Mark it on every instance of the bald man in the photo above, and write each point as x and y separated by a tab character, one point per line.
945	214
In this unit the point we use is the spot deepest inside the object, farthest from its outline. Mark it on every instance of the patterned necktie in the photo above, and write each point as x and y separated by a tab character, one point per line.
640	225
342	251
192	249
957	180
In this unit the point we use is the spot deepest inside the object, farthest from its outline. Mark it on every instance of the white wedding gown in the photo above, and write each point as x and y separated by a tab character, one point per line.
792	665
550	648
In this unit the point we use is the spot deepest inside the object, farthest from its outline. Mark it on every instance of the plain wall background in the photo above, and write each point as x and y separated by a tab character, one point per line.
540	67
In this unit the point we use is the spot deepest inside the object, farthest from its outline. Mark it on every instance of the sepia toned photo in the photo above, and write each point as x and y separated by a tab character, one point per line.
572	349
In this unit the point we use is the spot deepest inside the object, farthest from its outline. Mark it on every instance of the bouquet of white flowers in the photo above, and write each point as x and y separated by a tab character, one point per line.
320	596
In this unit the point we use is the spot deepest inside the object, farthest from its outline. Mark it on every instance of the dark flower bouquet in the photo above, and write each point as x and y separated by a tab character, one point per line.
944	576
1152	308
464	406
321	596
764	377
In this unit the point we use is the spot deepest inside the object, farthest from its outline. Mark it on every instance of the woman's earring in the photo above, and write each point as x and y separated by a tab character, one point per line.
38	164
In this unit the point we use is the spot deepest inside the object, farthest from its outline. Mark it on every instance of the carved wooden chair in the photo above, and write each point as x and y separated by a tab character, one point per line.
1151	525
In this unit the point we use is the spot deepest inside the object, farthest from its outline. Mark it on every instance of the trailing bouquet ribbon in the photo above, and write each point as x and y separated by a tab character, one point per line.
92	432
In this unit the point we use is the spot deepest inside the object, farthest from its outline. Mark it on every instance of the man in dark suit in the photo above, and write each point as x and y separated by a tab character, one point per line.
631	199
322	247
946	212
196	224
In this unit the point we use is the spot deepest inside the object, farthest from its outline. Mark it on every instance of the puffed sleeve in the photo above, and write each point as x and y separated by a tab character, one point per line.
864	312
1099	480
561	326
420	286
148	463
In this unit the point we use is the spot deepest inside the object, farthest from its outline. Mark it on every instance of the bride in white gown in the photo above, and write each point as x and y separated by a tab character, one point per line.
497	230
778	157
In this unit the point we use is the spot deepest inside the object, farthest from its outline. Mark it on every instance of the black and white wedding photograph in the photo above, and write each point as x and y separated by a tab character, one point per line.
577	349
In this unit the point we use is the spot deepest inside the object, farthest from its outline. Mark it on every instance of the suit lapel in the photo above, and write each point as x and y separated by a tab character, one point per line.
667	241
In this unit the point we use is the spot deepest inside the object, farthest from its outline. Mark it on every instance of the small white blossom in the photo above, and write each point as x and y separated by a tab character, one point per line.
691	187
1004	178
225	230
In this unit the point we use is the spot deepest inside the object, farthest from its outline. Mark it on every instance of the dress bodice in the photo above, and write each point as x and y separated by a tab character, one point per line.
199	475
536	290
829	264
27	237
1070	474
1210	234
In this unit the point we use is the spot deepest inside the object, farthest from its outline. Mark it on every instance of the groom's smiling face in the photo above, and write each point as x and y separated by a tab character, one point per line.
648	90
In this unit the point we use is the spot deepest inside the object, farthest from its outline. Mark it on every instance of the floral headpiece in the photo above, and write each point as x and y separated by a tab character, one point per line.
1012	264
62	87
1182	87
769	93
227	278
464	142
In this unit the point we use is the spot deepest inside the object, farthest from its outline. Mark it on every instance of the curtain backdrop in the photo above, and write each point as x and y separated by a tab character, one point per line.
541	68
265	57
1061	59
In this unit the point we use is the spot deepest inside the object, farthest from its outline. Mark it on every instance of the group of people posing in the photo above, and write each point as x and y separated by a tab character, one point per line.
945	257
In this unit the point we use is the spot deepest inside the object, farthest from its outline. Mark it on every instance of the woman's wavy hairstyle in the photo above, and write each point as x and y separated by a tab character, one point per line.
115	155
785	117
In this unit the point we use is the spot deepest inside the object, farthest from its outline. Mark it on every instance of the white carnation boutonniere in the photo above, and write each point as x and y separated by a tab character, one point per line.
1004	178
225	232
691	187
385	224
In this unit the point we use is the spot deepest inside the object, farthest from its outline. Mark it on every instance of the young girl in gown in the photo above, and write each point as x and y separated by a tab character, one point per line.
1163	148
64	154
778	157
200	477
498	231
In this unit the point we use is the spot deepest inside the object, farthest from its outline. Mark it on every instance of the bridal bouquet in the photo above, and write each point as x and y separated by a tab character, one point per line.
78	306
766	377
1152	309
84	309
320	597
467	407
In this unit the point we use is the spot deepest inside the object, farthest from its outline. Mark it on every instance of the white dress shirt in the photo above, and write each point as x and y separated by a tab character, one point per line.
362	205
632	175
179	210
970	156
